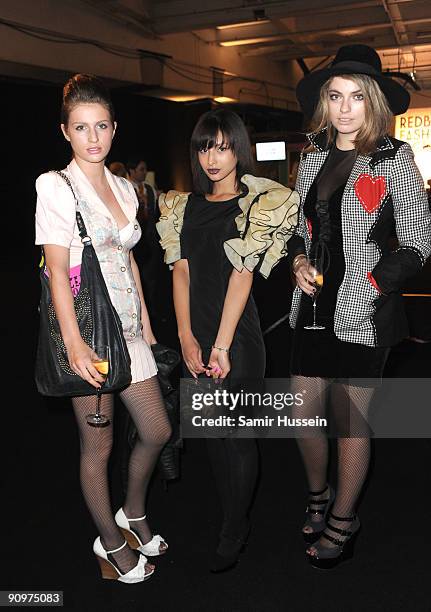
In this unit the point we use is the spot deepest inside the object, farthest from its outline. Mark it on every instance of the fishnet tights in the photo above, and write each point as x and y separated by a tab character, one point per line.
348	412
144	402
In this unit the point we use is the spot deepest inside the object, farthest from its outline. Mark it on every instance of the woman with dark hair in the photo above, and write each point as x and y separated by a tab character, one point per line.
357	184
231	225
108	207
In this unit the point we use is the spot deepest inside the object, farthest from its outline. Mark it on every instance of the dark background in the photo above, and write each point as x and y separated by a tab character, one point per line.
47	531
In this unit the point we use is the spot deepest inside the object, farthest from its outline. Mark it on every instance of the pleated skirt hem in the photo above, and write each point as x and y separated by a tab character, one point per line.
143	365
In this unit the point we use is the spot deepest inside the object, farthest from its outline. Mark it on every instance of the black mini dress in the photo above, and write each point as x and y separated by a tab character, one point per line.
319	353
207	225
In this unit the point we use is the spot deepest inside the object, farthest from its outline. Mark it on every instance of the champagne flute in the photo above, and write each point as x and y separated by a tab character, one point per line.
101	363
315	269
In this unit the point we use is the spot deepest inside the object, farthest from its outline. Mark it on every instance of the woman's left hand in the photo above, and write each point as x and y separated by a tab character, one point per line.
219	364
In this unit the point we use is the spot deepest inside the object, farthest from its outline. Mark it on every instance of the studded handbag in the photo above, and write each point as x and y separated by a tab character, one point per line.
98	321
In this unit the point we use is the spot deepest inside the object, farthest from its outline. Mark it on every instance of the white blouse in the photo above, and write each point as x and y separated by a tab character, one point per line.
56	224
56	210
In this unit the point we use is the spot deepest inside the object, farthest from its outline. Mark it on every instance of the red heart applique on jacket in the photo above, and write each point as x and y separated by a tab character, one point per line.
370	191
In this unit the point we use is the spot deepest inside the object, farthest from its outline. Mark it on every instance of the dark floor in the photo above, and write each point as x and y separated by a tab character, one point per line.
48	533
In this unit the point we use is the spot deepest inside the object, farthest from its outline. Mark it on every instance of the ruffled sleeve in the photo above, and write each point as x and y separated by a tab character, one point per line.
268	219
172	206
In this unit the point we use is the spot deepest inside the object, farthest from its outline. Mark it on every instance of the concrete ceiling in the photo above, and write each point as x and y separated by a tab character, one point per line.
309	30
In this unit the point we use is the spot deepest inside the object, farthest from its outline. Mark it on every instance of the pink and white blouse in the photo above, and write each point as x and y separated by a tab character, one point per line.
56	224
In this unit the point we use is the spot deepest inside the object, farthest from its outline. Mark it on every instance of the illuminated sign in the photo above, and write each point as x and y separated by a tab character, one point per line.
414	127
267	151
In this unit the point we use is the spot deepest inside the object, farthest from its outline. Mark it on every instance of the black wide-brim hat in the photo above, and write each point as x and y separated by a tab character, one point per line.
352	59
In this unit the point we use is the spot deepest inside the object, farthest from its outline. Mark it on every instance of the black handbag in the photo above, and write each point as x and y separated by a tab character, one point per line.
99	324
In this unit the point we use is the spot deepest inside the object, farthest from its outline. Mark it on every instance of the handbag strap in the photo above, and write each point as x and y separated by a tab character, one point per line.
85	238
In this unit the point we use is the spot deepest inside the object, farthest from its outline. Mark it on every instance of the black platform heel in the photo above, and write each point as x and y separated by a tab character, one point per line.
318	527
328	558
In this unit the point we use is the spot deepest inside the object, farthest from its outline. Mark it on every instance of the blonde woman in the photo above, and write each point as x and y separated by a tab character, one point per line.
357	185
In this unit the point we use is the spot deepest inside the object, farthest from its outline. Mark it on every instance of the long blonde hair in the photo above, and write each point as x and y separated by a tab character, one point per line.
378	115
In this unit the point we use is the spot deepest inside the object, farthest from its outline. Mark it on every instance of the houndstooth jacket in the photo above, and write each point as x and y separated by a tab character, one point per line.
384	192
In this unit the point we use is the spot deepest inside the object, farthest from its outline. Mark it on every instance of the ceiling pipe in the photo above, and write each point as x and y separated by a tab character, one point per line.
404	1
406	77
305	69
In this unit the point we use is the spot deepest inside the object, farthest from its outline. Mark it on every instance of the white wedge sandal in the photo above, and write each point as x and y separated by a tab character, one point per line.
111	571
151	548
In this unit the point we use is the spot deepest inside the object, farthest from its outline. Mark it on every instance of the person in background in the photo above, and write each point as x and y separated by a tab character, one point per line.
148	253
118	168
108	206
137	170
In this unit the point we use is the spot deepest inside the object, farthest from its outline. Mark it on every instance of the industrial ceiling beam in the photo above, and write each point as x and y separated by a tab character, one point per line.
125	14
339	31
326	49
396	19
175	17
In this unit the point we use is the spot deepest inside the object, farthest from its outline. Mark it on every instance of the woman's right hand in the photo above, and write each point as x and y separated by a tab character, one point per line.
81	358
192	355
304	278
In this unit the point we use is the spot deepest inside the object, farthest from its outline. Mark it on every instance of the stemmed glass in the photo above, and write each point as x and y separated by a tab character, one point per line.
316	271
101	363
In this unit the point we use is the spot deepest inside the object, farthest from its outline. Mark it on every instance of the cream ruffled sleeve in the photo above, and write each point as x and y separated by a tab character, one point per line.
172	206
268	219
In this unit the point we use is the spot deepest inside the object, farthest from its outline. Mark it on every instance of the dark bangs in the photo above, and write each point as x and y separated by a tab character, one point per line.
234	135
205	134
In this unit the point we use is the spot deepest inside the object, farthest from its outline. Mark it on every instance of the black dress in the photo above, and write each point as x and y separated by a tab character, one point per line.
234	461
206	226
319	353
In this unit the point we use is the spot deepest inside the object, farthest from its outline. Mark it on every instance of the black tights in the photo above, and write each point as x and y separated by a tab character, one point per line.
234	462
144	402
348	412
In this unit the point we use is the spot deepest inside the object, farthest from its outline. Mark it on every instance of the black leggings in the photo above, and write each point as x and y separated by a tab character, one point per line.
234	462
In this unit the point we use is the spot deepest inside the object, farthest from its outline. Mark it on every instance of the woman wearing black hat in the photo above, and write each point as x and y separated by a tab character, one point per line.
356	184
